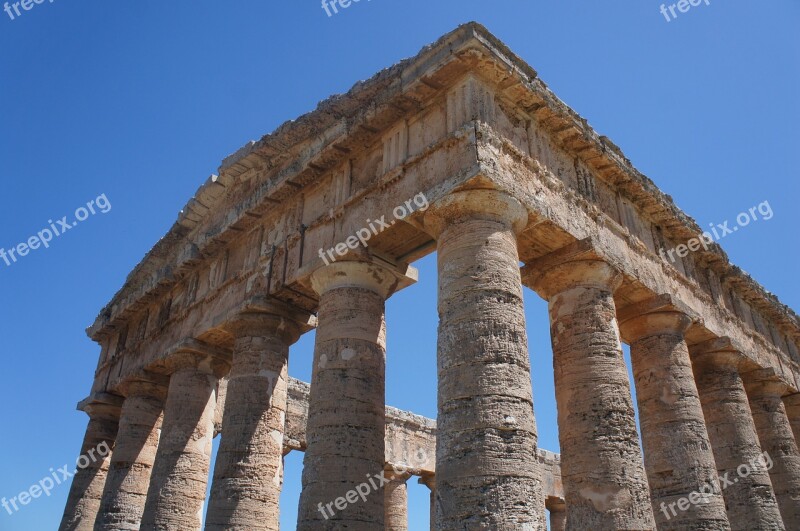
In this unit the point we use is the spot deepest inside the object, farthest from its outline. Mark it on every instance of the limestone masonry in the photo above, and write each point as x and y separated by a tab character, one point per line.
196	343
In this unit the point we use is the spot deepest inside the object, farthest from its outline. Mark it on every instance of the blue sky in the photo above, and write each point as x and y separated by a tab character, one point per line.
141	101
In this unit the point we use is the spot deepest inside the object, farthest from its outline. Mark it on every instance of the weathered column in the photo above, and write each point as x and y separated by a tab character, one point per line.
792	404
558	514
765	391
83	503
248	474
487	473
750	500
396	501
677	451
134	454
430	482
179	480
605	486
346	411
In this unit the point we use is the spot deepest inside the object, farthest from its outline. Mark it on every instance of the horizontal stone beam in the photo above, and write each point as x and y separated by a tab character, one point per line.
565	221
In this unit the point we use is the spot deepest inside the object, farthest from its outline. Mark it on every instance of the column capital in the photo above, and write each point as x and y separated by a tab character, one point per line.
656	316
488	204
144	384
719	352
390	474
191	353
576	265
655	324
428	480
261	316
574	274
102	406
764	382
555	504
370	275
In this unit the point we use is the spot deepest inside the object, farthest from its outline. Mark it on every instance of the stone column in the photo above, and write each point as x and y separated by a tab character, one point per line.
88	481
677	451
179	480
430	482
605	486
792	404
487	473
750	500
346	410
248	474
558	515
396	501
134	454
765	392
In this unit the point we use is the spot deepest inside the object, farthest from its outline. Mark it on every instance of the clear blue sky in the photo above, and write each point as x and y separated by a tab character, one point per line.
141	100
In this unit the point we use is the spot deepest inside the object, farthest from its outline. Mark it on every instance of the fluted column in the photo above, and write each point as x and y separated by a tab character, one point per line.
344	461
487	473
134	454
792	404
605	486
765	391
430	482
677	451
750	500
396	501
558	515
179	480
86	492
248	474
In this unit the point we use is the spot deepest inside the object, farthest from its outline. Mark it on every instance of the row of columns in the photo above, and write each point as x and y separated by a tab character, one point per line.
699	420
677	450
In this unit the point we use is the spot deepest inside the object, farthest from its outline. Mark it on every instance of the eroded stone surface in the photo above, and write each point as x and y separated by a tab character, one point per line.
177	492
792	403
605	487
750	501
558	514
677	451
485	477
134	454
248	473
463	114
410	442
777	442
86	491
346	415
396	502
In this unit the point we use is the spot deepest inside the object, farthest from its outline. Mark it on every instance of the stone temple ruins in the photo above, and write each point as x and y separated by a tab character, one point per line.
518	191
